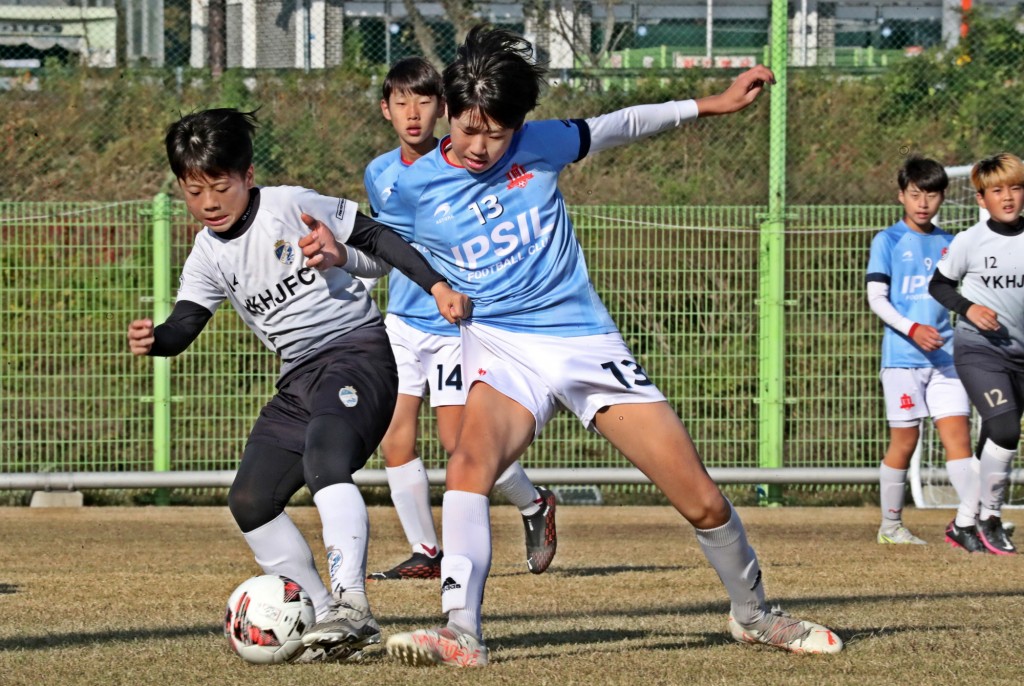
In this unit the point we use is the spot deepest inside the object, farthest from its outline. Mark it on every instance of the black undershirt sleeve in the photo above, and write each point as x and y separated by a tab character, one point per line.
186	322
943	289
377	239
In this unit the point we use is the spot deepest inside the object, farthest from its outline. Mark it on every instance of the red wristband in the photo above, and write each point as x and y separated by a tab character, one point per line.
910	334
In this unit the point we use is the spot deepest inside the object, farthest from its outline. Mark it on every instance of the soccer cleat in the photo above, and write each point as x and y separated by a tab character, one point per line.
337	653
541	539
965	537
440	646
779	630
348	623
993	537
899	536
419	566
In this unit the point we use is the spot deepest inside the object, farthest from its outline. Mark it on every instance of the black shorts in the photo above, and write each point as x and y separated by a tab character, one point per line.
353	378
994	381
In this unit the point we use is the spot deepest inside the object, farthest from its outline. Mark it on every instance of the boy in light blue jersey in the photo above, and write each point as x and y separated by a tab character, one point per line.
918	376
428	353
486	204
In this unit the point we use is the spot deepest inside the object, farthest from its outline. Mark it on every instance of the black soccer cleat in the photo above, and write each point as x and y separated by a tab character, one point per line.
541	539
965	537
419	566
994	538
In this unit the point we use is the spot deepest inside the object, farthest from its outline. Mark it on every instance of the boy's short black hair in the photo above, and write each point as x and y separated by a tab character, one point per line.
211	142
494	73
413	75
926	174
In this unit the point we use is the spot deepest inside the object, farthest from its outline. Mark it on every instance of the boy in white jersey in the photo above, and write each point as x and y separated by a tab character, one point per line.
338	382
486	204
918	375
429	355
987	260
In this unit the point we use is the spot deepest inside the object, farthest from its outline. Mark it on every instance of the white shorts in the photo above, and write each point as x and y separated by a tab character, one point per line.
428	364
583	373
914	393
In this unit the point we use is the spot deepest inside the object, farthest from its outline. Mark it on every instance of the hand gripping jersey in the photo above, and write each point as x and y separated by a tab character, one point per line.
905	260
405	299
990	268
504	237
292	309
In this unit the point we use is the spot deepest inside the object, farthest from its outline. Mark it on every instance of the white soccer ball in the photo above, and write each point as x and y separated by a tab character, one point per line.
266	617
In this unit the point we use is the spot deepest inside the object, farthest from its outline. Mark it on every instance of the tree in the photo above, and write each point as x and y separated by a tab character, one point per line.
569	22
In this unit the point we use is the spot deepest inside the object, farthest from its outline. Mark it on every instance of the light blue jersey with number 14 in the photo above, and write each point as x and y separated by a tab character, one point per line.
504	237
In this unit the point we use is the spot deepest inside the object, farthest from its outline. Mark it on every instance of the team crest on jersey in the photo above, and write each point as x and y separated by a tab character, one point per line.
348	396
518	177
284	251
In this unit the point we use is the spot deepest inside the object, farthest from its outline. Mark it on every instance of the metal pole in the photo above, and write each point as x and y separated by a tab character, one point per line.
387	33
71	481
307	27
771	265
162	302
803	33
710	36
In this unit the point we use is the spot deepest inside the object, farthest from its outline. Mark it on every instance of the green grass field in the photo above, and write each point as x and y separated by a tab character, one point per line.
135	596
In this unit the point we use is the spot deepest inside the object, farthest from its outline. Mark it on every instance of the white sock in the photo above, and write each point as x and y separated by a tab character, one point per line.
732	557
993	476
963	474
281	549
520	491
466	530
410	492
346	531
892	493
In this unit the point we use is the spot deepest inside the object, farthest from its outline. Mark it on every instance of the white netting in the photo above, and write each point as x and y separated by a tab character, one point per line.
929	482
960	208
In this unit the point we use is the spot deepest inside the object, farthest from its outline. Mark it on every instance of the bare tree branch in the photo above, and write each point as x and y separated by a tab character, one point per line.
424	36
462	14
563	20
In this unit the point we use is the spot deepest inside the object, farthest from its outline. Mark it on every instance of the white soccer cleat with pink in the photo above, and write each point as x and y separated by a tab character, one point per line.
779	630
440	646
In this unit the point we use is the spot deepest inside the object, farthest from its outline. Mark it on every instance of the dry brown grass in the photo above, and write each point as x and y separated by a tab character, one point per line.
135	596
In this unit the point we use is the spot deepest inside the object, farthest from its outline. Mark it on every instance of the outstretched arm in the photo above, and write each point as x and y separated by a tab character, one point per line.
640	121
741	93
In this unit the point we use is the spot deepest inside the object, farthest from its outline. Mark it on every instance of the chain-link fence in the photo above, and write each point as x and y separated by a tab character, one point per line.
671	225
86	88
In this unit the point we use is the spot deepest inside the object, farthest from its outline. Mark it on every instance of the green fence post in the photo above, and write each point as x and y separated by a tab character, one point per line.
771	267
162	303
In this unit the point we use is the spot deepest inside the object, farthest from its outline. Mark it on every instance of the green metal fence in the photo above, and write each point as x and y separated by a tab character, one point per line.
737	278
681	282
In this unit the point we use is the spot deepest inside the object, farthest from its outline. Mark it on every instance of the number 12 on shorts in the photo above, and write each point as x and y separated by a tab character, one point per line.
640	376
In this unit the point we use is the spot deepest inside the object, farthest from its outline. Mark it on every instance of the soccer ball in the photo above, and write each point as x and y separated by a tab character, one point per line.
265	619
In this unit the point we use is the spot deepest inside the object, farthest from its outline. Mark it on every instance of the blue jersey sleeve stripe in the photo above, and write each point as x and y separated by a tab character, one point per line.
584	130
878	278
